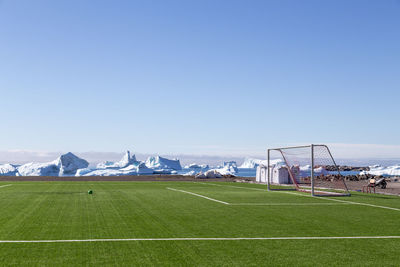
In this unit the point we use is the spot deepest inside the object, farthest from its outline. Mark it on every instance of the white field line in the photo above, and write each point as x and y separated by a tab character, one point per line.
288	204
194	194
344	201
257	204
5	185
323	198
201	239
250	188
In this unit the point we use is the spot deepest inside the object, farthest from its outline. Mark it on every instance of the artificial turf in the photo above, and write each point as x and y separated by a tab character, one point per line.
65	211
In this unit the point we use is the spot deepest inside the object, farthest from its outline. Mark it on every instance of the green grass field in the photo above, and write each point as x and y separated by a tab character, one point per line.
162	211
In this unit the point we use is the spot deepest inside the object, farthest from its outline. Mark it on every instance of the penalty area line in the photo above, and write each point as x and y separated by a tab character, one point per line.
5	185
233	186
201	239
257	204
198	195
345	201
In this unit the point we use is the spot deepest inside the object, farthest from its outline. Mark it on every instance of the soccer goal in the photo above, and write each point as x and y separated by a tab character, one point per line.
309	168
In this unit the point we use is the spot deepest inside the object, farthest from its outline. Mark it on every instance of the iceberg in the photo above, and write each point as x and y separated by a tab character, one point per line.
196	166
383	171
305	171
109	172
126	160
69	164
135	168
82	172
66	164
8	170
250	163
190	173
39	169
160	163
139	167
105	165
229	168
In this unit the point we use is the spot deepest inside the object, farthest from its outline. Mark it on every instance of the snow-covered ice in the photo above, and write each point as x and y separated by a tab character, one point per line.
250	163
384	171
109	172
39	169
126	160
139	167
196	166
160	163
8	170
81	172
69	164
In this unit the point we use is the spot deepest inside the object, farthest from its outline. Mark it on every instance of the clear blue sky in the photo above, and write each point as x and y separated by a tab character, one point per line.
207	76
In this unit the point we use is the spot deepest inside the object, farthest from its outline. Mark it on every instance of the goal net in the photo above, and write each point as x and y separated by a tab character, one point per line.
308	168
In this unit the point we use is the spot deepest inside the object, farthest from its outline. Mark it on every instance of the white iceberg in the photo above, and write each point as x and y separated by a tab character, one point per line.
139	167
109	172
126	160
305	171
190	173
105	165
82	172
196	166
383	171
8	170
69	164
39	169
160	163
229	168
250	163
66	164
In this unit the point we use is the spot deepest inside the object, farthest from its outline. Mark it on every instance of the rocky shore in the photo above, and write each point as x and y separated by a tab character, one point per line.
345	168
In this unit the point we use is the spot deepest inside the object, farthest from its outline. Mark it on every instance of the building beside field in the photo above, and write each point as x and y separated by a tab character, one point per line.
279	174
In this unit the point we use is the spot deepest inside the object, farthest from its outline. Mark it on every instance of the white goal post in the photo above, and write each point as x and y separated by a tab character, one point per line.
309	168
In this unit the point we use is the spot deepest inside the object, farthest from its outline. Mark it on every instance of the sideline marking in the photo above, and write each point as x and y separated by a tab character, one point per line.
5	185
194	194
202	239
